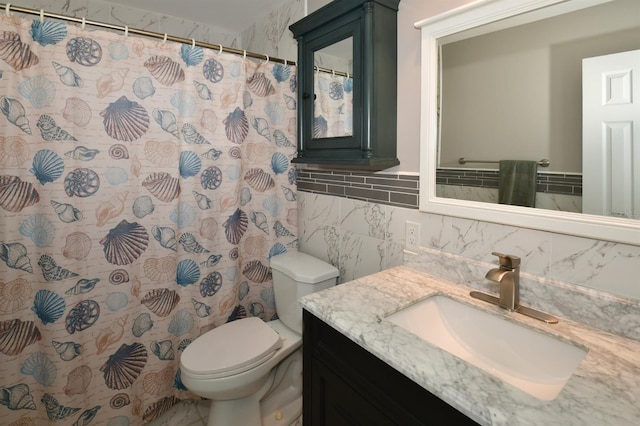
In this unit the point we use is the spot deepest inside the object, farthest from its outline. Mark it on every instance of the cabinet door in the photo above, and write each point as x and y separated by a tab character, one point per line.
339	404
360	130
345	385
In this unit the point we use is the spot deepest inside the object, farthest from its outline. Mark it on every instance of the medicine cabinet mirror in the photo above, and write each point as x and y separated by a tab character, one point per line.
347	85
333	90
491	18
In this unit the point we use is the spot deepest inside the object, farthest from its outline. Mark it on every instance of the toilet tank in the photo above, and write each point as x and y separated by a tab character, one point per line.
297	274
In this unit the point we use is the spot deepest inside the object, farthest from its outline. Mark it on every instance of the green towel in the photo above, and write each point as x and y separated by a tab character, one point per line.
517	183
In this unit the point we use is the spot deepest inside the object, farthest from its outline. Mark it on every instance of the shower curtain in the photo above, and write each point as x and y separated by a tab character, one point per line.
333	106
144	187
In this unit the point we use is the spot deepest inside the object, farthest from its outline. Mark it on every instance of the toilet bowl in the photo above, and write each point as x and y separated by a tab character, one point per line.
251	370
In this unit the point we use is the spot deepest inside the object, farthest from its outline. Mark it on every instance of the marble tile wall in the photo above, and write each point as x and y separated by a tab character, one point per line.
193	413
618	315
544	200
186	413
118	14
360	237
271	35
357	237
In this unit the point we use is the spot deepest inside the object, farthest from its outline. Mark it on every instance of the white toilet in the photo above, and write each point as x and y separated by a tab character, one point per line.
251	370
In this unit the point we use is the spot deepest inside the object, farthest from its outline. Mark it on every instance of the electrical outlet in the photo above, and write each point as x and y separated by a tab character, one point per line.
412	235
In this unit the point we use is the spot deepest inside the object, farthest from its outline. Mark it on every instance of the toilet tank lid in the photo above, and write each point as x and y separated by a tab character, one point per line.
303	268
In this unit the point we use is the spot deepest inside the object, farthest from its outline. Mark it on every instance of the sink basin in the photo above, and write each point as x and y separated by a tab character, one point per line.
529	360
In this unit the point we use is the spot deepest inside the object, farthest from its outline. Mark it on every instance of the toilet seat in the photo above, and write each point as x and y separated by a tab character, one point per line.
230	349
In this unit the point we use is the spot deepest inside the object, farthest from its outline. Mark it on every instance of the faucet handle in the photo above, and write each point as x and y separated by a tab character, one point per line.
507	261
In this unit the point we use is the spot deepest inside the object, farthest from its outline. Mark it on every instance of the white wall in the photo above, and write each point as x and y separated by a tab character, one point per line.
409	39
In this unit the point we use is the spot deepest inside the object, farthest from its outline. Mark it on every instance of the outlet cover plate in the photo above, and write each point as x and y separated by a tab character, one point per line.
412	235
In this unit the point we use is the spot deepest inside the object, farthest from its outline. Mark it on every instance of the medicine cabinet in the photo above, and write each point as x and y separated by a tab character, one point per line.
347	84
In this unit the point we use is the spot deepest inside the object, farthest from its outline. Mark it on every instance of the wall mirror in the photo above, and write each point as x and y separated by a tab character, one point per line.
445	119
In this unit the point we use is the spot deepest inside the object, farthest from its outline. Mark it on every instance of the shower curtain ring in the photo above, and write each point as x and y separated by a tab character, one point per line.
193	43
7	9
244	54
164	40
126	31
267	58
220	51
84	23
41	16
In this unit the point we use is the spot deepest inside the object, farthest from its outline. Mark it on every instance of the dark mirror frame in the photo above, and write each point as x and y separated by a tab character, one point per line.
373	26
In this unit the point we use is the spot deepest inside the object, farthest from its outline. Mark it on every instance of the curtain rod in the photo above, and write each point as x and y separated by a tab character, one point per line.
332	71
8	7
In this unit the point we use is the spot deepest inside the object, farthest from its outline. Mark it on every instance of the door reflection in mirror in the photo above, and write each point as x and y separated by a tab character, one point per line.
516	94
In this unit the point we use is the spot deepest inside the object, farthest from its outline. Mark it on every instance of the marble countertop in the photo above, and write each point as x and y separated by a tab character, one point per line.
604	390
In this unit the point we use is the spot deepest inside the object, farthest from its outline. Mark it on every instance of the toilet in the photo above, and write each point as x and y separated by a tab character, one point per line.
251	370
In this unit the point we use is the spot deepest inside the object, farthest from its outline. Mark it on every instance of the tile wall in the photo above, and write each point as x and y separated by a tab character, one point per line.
554	191
547	182
351	234
118	14
186	413
271	35
400	190
361	237
193	413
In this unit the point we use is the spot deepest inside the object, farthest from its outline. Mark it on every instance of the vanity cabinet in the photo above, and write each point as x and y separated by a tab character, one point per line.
344	385
354	125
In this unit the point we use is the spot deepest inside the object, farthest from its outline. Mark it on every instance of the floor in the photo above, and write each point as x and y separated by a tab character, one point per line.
190	412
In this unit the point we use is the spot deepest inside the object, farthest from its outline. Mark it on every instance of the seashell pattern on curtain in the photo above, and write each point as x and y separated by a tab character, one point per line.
144	187
333	107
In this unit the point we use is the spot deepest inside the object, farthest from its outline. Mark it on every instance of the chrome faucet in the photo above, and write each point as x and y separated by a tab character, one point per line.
508	276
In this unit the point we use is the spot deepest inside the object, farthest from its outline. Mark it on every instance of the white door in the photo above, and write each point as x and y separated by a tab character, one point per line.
611	135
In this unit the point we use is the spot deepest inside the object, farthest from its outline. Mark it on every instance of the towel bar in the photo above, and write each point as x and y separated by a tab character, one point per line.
543	163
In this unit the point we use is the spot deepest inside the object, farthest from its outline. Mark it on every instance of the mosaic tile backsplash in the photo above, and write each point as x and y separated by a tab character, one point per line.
399	190
555	191
546	182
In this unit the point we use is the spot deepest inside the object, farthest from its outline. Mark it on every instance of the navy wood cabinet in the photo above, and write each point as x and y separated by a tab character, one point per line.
368	29
344	385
